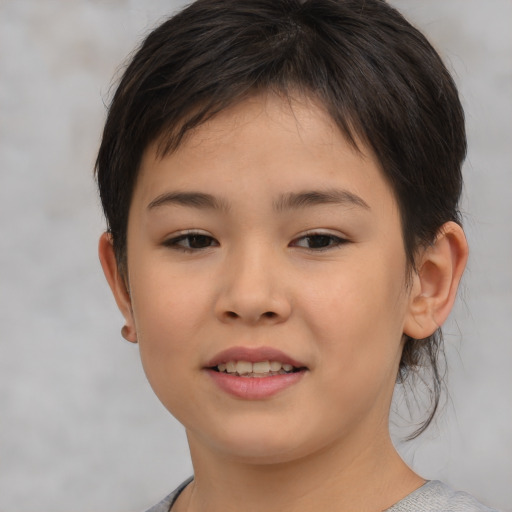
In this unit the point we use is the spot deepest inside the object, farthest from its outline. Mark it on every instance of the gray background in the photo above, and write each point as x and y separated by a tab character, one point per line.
79	427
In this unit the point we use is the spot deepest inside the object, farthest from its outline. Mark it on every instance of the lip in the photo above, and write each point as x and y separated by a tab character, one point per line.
252	355
253	388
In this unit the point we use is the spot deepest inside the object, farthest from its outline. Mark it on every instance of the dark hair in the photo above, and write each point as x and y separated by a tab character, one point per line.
376	75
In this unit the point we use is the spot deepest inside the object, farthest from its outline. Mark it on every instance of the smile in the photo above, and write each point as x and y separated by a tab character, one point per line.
258	369
254	373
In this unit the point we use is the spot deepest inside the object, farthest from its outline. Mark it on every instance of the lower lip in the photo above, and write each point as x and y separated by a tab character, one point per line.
254	388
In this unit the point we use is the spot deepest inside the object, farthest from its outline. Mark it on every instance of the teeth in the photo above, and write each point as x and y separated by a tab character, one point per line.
243	367
263	367
275	366
258	369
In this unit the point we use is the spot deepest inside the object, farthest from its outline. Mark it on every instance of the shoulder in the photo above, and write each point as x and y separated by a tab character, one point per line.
166	504
435	496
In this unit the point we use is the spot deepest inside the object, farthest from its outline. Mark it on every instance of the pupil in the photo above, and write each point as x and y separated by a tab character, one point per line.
318	241
199	241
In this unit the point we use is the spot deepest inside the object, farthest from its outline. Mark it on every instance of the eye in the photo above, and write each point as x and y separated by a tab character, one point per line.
318	241
191	242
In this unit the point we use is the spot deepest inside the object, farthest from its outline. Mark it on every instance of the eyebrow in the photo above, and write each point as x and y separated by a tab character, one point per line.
299	200
291	201
192	199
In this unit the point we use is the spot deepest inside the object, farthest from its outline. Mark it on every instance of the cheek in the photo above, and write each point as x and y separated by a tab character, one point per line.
357	327
357	315
168	318
169	311
166	298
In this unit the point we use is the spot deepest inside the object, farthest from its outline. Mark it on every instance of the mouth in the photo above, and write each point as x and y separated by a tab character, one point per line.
258	369
255	373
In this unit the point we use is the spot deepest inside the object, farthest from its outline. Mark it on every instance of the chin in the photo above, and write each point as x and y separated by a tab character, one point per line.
258	443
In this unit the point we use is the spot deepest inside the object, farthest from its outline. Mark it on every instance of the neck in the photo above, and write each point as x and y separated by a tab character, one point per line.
365	478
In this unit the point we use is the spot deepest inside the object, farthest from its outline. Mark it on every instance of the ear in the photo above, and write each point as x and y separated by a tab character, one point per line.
436	281
118	285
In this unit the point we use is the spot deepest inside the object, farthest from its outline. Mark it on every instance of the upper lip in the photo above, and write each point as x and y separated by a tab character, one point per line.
252	355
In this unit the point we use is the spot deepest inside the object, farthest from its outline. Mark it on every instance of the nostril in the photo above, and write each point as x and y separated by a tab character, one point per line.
268	314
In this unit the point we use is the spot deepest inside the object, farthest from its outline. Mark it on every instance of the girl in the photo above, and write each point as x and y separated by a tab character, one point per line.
281	182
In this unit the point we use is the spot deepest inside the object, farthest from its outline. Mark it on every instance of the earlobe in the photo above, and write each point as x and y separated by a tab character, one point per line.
436	281
118	286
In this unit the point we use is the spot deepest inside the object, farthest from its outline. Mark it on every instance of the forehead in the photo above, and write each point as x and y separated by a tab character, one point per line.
265	142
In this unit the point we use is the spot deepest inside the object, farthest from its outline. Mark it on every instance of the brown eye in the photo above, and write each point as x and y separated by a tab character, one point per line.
191	242
199	241
318	241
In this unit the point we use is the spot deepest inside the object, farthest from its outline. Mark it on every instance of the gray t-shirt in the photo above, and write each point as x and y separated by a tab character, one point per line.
434	496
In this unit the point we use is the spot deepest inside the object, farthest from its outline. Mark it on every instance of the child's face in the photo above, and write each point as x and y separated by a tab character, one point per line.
294	244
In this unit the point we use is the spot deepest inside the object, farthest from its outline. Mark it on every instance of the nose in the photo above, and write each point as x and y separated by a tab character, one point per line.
253	289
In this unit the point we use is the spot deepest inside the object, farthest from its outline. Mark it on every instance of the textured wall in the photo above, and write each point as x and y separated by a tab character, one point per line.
79	427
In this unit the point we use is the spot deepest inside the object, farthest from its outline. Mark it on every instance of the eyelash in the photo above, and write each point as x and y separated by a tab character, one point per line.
176	242
333	241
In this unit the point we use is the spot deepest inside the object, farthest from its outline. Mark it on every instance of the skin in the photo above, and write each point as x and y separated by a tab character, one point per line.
324	282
